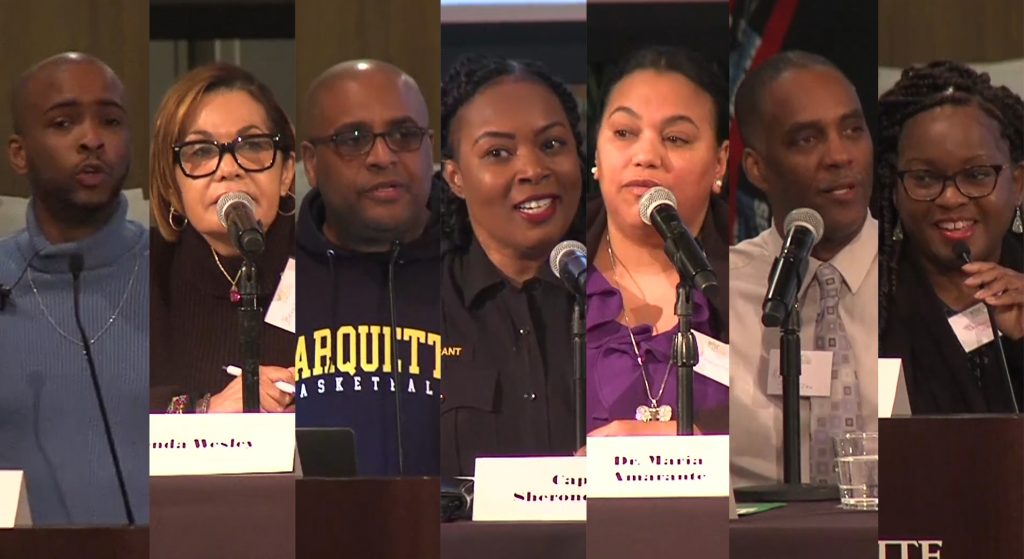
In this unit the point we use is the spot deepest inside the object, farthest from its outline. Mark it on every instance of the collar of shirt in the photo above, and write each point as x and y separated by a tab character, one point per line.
479	275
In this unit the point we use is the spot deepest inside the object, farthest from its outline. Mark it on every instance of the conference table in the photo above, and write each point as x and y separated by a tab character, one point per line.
795	531
108	542
198	517
253	516
805	530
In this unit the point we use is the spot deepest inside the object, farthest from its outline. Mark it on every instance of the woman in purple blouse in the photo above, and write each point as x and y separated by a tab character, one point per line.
663	122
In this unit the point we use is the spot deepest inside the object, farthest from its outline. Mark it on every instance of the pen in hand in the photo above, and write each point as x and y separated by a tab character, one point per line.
281	385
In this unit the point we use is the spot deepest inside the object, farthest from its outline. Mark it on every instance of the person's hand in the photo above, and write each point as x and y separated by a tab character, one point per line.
634	428
272	399
1003	290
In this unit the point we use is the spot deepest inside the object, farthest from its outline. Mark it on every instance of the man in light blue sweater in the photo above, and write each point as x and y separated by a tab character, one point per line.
71	141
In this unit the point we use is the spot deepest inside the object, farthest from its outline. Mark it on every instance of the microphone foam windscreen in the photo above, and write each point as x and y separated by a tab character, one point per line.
962	251
653	198
808	218
562	248
75	262
231	198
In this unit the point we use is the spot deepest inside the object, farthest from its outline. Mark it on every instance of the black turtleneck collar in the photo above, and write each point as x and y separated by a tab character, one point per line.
194	262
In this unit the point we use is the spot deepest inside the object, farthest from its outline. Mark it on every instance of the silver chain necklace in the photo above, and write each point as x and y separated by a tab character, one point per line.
644	413
113	317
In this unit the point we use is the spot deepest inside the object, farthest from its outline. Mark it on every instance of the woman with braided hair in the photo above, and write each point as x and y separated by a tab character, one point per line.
511	190
950	168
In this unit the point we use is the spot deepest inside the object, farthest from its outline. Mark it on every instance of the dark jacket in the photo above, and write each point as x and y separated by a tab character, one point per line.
508	367
344	313
941	377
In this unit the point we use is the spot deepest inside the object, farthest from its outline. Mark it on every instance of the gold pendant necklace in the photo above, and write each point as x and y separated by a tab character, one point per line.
233	293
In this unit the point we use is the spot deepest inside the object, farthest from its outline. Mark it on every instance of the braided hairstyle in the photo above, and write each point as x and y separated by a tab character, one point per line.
919	89
464	81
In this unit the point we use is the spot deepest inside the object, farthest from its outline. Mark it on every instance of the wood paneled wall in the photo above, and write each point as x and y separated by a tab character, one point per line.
116	31
406	33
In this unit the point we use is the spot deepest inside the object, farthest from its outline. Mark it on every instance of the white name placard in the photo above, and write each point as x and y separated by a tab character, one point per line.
14	510
528	488
893	399
631	467
221	443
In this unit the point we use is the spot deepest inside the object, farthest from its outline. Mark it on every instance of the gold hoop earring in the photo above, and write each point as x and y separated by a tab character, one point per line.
295	205
170	220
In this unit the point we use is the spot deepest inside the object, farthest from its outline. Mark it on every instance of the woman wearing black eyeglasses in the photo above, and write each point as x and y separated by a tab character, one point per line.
950	180
218	131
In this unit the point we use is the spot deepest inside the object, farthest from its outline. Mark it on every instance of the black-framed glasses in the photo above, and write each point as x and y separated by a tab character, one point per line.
359	141
924	185
201	158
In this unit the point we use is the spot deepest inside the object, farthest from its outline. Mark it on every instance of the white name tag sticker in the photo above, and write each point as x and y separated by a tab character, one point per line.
648	467
815	374
282	307
14	509
972	327
714	358
221	443
551	488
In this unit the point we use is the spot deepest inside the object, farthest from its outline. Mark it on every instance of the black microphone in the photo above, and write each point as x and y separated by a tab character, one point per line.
5	291
963	253
804	228
568	261
237	212
658	209
75	265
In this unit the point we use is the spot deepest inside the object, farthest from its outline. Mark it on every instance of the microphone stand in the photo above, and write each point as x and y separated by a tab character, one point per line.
791	489
76	270
392	261
685	357
579	367
1001	356
250	328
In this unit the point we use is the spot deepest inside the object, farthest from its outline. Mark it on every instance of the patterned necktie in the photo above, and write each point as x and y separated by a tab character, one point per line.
840	413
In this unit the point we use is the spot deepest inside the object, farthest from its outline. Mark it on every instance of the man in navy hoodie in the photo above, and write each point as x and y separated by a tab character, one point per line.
368	269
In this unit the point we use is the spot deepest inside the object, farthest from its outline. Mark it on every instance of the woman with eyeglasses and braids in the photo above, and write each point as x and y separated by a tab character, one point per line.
950	168
512	190
218	131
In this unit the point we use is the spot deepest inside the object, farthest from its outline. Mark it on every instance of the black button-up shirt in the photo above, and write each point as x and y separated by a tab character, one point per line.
507	362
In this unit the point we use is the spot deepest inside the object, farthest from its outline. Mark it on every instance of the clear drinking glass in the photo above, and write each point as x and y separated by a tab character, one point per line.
857	466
